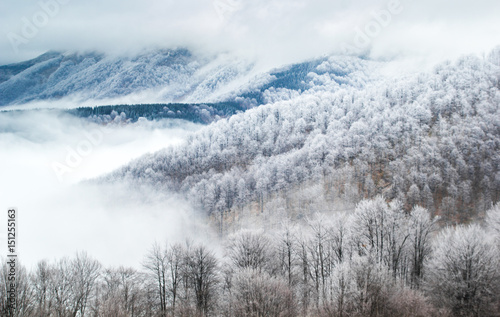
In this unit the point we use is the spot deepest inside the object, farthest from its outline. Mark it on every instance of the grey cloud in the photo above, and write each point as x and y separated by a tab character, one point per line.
276	31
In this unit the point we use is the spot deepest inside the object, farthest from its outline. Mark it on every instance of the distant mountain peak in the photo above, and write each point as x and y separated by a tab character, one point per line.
165	76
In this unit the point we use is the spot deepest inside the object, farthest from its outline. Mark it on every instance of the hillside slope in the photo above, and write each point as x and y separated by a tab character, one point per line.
170	76
430	139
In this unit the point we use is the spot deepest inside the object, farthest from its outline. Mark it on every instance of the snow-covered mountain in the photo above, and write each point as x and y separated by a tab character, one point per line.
168	76
431	139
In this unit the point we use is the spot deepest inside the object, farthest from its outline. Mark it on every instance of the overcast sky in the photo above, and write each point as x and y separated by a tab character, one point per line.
275	31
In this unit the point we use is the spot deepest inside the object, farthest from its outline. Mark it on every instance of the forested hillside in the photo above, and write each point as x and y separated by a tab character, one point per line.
198	113
327	73
172	76
431	139
377	261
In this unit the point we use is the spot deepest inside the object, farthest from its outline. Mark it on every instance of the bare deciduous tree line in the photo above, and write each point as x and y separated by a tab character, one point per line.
379	260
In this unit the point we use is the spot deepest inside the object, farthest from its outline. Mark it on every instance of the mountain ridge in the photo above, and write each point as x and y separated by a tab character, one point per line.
169	76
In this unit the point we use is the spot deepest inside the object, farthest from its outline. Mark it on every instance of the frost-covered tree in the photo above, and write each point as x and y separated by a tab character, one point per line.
249	249
420	227
201	270
257	293
463	274
156	265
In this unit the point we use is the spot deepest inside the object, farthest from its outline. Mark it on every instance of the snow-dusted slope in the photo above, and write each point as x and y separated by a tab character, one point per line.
431	139
165	76
168	75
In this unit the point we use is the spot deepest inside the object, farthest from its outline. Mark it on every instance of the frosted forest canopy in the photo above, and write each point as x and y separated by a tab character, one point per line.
430	139
371	197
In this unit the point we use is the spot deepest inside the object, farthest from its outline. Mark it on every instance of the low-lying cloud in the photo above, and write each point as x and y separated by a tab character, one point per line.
276	31
116	223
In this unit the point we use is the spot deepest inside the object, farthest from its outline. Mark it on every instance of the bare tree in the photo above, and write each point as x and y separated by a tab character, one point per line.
287	259
320	255
122	293
157	265
381	231
420	226
41	280
463	274
357	287
305	288
62	288
84	271
202	272
249	250
257	293
175	258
